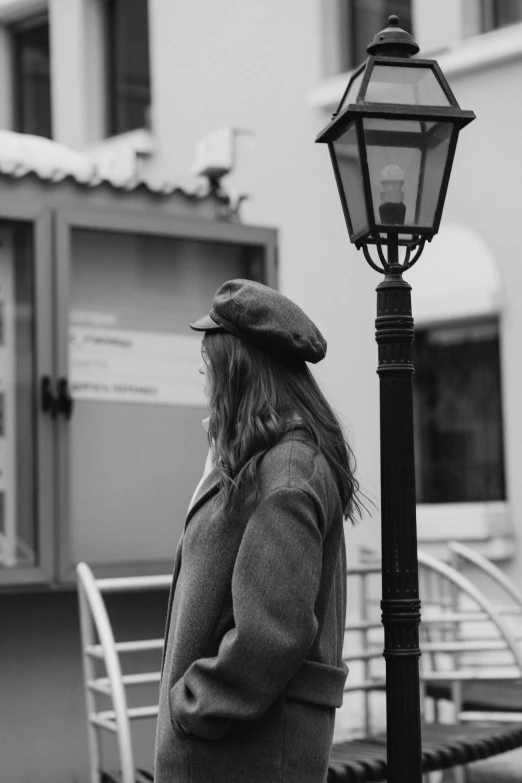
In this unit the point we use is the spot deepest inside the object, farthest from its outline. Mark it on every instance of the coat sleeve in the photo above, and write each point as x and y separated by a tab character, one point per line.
274	586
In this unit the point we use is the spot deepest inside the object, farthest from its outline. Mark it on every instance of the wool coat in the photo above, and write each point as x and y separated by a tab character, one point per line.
252	664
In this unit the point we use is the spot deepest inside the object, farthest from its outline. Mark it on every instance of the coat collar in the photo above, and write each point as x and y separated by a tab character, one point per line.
210	485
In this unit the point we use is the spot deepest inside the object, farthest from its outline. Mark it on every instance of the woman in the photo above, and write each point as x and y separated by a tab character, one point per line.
252	665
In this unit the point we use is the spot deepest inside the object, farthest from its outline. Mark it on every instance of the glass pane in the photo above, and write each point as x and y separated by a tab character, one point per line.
32	83
414	86
18	540
351	95
394	155
137	446
129	77
436	148
458	414
360	20
406	162
349	170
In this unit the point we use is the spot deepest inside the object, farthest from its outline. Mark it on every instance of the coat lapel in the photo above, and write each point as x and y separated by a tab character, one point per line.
177	566
208	488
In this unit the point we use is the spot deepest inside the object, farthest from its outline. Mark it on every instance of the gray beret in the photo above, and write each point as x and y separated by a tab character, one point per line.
265	318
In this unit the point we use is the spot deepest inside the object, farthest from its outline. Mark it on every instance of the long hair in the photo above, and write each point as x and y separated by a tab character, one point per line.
254	400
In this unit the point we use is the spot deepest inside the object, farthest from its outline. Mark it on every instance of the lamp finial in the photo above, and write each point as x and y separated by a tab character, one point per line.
393	41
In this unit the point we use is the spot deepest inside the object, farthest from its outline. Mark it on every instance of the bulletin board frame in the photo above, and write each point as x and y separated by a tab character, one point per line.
66	220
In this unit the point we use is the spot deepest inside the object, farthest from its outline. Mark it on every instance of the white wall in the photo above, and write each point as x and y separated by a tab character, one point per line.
484	194
436	26
251	66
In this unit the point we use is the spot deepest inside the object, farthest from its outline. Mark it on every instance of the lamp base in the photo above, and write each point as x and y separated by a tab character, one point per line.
392	214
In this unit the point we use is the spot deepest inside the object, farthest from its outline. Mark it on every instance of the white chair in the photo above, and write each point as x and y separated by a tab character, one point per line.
462	635
100	649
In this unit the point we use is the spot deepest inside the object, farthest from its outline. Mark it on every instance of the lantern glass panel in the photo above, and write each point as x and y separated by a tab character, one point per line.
406	164
436	154
353	91
347	156
413	86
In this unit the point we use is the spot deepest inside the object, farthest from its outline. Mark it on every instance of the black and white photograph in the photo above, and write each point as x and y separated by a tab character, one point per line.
260	383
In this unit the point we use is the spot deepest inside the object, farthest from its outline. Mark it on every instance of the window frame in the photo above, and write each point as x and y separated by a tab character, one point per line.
36	19
200	229
42	572
486	524
489	13
463	323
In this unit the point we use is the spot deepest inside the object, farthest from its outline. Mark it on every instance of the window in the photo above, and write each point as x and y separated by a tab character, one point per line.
32	81
500	13
360	20
458	414
128	65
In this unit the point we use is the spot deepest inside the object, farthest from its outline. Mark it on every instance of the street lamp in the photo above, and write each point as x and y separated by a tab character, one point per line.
392	141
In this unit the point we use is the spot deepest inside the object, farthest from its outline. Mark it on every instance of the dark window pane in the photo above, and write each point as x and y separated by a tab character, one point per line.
32	82
500	13
129	71
458	414
361	20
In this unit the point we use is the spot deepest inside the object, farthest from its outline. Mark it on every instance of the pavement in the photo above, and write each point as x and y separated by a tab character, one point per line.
504	768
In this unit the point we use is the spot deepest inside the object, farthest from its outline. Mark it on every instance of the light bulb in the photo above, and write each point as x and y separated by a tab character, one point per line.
392	209
392	180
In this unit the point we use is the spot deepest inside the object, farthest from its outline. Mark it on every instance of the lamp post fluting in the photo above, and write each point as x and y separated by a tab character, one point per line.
392	141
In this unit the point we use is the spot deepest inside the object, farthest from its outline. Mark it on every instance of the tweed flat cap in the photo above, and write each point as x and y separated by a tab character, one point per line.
265	318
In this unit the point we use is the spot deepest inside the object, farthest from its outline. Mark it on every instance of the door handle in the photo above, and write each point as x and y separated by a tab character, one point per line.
65	401
48	400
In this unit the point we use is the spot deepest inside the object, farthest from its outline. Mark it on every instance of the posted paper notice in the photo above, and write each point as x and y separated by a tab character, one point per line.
117	365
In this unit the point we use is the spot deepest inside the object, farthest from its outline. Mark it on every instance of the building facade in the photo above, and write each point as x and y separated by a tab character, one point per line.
132	86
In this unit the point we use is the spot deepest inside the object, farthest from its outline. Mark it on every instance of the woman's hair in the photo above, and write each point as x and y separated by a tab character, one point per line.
254	399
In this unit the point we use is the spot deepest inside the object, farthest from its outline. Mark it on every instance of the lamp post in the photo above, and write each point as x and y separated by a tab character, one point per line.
392	141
